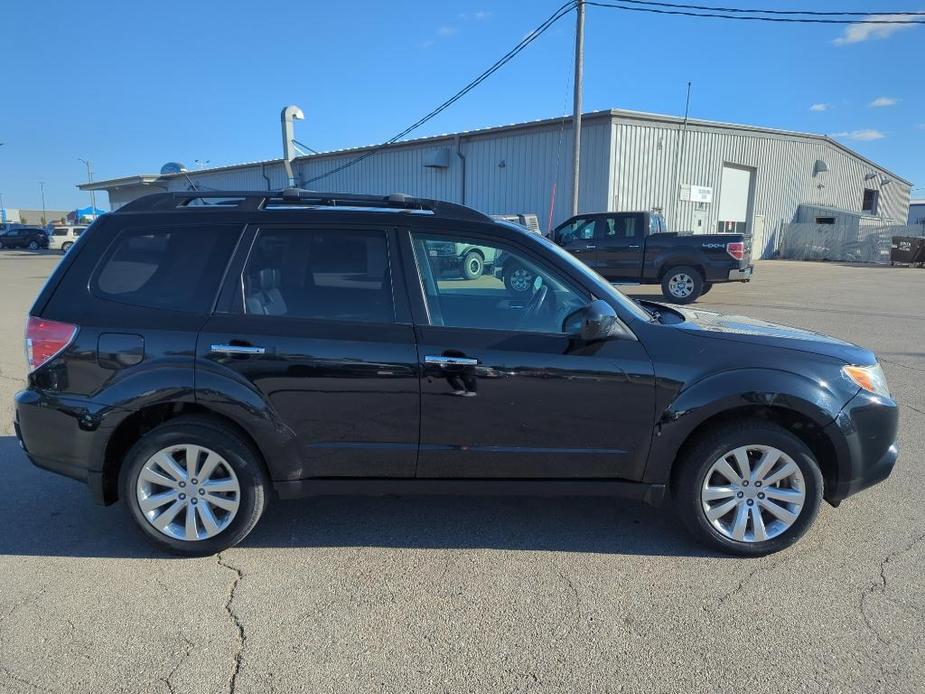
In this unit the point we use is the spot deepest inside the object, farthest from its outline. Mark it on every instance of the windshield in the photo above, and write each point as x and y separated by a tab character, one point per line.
603	288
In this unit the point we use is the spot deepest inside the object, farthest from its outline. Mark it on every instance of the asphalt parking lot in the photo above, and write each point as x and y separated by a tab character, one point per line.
480	594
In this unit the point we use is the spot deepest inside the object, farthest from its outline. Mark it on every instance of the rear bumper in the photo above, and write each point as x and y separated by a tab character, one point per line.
864	434
742	274
66	435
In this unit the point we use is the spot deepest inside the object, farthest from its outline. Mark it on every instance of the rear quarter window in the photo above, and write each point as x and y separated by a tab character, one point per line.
176	268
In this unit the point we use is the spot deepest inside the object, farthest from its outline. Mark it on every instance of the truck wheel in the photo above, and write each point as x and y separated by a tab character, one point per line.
682	284
707	286
66	246
749	488
518	279
473	265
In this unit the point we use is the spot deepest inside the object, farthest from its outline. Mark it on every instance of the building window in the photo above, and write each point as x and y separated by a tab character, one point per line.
871	200
825	220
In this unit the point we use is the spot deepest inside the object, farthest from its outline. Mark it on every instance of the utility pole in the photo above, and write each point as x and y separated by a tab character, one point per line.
576	109
92	192
679	161
44	220
2	209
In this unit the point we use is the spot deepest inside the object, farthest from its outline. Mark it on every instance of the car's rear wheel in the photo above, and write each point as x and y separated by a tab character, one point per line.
473	265
682	284
749	489
33	245
66	246
193	486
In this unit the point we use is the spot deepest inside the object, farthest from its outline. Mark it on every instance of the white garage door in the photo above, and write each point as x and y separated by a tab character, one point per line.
733	198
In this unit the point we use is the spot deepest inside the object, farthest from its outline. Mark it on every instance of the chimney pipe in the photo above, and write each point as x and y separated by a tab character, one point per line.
289	114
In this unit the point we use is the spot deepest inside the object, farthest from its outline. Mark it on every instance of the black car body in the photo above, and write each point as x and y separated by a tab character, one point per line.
24	237
313	332
637	247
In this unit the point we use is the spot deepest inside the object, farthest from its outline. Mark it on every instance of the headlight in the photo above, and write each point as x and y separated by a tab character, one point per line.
870	378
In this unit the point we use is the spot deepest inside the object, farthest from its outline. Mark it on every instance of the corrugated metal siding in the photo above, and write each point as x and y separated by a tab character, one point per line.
644	174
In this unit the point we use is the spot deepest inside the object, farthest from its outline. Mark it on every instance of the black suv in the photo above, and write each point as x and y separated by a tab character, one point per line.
196	353
32	238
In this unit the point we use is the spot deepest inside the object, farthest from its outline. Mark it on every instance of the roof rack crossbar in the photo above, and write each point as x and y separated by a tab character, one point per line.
254	200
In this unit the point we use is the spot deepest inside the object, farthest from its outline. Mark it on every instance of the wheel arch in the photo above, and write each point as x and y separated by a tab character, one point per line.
137	424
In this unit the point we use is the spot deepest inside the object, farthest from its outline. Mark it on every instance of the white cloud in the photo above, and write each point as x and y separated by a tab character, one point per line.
427	44
861	135
479	16
856	33
921	126
446	30
820	107
883	101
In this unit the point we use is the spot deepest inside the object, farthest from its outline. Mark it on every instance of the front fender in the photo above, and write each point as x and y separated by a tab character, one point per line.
816	400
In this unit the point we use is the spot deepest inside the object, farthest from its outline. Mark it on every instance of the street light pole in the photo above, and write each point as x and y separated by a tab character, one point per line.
576	109
92	192
44	221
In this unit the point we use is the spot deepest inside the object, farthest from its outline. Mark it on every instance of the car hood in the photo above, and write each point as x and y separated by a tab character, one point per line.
737	328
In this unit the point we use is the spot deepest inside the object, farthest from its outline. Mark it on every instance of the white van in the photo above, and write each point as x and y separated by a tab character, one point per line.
62	238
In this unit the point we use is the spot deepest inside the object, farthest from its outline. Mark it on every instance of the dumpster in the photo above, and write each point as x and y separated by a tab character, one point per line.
907	250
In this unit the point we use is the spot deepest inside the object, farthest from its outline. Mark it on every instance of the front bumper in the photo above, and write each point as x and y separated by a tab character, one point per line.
864	434
742	274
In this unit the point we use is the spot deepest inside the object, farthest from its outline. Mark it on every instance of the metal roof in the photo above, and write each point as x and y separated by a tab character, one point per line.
618	114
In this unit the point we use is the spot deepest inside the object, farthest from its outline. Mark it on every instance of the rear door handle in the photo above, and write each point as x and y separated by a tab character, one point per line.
450	361
237	349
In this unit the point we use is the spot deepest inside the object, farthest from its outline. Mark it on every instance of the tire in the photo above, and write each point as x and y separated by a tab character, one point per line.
33	245
783	527
518	280
239	465
707	286
682	284
473	265
66	246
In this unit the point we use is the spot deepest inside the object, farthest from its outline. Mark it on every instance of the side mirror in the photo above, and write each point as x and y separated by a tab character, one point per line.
596	321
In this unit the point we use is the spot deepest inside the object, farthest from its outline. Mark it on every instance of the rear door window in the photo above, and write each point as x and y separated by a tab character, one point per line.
176	268
340	275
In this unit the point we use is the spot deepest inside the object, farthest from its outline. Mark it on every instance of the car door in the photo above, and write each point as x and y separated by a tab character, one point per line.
579	237
621	246
309	322
506	392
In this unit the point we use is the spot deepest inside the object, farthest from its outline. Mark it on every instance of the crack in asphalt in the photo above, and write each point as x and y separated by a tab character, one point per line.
577	620
169	679
910	407
899	363
879	587
741	585
240	637
5	670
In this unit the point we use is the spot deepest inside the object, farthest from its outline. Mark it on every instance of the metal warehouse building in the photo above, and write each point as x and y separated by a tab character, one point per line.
703	176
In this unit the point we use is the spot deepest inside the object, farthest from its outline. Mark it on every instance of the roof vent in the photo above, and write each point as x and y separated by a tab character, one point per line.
173	167
819	167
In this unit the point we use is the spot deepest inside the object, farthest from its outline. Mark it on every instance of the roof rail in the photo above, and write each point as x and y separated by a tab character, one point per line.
258	200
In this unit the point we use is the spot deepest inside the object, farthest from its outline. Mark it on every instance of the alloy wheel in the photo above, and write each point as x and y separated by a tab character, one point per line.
681	285
753	493
188	492
521	280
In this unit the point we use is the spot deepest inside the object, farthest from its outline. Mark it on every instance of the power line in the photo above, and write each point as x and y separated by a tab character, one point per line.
715	15
501	62
810	13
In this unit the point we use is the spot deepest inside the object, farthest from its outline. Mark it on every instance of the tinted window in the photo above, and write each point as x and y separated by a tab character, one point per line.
328	275
59	231
622	226
510	291
579	229
176	268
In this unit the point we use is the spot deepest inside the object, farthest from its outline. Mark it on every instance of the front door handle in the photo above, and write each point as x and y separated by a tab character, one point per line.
237	349
450	361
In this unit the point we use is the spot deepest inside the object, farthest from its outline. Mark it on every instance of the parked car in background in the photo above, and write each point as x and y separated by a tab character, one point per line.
194	360
637	247
62	238
32	238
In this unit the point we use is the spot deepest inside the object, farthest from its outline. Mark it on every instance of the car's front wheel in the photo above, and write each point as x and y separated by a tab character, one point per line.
473	265
193	486
66	246
750	489
33	245
518	279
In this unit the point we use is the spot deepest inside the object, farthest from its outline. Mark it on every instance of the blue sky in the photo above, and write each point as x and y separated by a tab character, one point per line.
131	85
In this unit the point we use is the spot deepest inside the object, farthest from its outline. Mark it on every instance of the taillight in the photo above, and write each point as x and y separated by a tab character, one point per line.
736	249
45	339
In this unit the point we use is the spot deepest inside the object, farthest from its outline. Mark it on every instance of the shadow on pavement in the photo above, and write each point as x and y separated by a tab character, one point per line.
48	515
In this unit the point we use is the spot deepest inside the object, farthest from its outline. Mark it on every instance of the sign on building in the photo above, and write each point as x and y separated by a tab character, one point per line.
692	193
